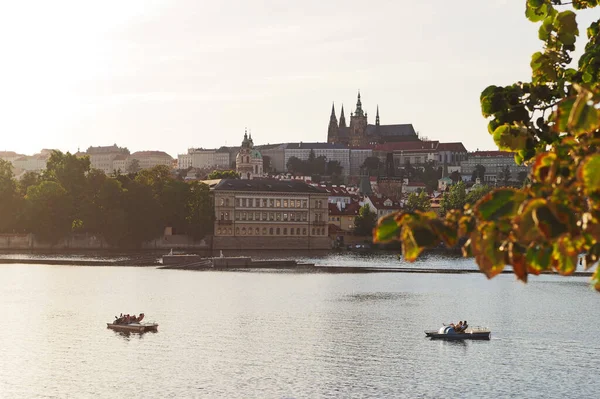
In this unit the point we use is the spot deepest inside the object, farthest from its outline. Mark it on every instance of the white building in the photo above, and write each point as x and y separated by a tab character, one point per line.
150	159
184	161
249	162
357	159
493	162
331	152
102	157
203	158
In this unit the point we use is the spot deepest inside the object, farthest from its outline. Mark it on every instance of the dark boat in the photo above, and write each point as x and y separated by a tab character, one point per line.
448	332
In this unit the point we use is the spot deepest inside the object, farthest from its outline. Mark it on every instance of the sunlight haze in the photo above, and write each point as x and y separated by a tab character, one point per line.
168	75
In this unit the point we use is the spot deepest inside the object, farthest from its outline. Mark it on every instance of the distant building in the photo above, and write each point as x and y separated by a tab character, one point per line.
360	133
357	159
331	152
382	205
276	154
203	158
494	162
249	161
150	159
10	156
421	152
342	215
102	157
269	214
34	163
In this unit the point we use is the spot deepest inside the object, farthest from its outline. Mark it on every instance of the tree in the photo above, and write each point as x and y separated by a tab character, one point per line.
365	221
223	174
266	163
9	198
431	175
455	198
199	210
504	176
372	166
455	177
478	173
521	176
417	202
134	166
49	213
476	194
553	124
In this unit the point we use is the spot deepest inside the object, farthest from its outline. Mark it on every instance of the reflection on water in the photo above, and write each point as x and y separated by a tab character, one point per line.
273	335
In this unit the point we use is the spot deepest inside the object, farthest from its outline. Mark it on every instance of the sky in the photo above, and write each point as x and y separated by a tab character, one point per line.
173	74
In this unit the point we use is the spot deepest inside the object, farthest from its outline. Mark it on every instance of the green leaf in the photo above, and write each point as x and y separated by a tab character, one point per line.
518	261
596	279
485	249
545	167
538	259
563	111
588	173
584	117
547	222
415	239
510	138
445	232
536	13
565	22
564	255
386	230
499	203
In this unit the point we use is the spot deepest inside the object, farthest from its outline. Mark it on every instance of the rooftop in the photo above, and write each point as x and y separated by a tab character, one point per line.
269	185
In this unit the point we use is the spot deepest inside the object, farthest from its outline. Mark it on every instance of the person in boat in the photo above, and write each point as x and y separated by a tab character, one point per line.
133	319
140	317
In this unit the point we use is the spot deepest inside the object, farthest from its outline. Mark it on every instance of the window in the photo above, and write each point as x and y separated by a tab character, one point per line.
292	231
278	231
304	204
312	232
244	202
244	214
298	231
222	215
250	216
292	217
264	231
264	216
271	203
271	216
243	231
256	215
238	201
278	203
278	216
285	231
222	202
271	231
229	231
323	231
237	231
237	216
218	231
264	202
285	217
249	231
226	201
257	231
226	215
285	203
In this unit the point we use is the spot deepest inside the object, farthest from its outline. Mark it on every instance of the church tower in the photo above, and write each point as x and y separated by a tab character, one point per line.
358	126
342	119
333	131
248	162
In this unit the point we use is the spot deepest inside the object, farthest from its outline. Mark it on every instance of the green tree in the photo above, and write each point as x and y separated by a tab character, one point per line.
223	174
365	222
49	213
553	124
455	177
476	194
430	176
417	202
504	176
372	166
455	198
478	173
134	166
27	180
9	198
199	210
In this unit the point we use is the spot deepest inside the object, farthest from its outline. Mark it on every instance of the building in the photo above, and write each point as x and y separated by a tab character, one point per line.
357	159
331	152
150	159
184	161
494	162
421	152
249	161
360	133
203	158
276	156
269	214
34	163
382	205
10	156
102	157
342	215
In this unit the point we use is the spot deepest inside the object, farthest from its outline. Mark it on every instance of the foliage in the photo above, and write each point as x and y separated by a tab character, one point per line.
126	210
552	124
455	177
315	167
417	202
454	198
504	176
372	165
223	174
365	222
476	194
134	166
478	173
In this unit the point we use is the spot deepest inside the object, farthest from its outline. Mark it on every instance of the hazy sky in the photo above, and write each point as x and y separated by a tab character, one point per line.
168	75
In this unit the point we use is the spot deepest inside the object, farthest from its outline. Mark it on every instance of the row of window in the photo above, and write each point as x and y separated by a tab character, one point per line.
271	203
268	216
271	231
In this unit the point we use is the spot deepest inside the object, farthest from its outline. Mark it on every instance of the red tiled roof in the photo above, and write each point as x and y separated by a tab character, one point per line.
454	147
379	203
350	209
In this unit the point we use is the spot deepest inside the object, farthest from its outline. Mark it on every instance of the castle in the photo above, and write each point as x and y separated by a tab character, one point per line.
361	134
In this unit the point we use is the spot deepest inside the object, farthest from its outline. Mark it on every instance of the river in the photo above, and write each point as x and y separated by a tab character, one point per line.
293	335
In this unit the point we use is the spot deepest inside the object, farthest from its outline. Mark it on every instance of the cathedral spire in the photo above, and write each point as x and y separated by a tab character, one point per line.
342	118
333	118
377	116
359	110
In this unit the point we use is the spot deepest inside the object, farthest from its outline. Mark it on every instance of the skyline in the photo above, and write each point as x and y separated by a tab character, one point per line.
162	75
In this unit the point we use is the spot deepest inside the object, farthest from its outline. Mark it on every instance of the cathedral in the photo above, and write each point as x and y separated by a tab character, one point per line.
249	162
359	133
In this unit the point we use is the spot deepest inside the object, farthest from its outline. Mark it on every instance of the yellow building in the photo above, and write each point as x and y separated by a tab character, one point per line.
270	214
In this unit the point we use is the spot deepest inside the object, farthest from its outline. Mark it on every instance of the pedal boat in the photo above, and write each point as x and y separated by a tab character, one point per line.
448	332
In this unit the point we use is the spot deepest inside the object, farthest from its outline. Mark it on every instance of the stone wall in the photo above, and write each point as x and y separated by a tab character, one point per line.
270	242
